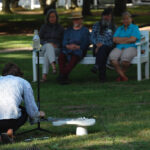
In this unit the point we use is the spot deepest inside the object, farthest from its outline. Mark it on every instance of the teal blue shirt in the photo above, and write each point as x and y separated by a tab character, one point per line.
132	30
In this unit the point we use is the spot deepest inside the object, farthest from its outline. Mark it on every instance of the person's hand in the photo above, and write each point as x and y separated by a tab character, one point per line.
76	46
42	114
99	45
73	46
69	46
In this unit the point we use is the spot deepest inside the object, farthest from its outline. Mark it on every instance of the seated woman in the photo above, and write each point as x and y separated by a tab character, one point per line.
75	44
13	91
125	38
51	35
102	38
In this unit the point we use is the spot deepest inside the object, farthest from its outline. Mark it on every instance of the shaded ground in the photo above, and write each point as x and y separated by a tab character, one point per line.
24	27
121	110
24	22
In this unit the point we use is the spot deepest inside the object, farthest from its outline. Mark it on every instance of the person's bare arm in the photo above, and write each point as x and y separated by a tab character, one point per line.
99	45
124	40
132	39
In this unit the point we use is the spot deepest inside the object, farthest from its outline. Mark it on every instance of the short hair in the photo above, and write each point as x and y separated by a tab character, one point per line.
127	14
12	69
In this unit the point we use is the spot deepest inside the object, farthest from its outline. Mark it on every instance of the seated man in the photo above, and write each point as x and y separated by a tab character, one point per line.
13	91
75	44
125	38
102	38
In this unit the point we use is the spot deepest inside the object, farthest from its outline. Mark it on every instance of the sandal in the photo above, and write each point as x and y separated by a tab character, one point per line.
43	80
54	71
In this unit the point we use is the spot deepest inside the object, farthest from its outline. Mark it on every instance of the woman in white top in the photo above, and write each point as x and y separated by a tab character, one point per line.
13	91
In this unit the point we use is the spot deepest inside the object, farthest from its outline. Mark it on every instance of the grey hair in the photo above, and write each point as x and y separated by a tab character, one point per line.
127	14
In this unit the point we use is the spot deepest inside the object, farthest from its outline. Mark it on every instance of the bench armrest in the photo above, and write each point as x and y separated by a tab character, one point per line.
140	48
141	43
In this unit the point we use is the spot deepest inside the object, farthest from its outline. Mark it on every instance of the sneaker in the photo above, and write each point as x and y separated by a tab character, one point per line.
62	79
118	79
109	66
124	79
94	69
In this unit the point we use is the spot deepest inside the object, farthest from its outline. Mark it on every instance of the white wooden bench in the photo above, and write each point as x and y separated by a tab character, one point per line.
141	58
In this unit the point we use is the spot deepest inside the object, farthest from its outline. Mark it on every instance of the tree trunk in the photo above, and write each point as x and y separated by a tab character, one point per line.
74	2
52	5
6	6
120	7
14	3
67	4
86	7
42	4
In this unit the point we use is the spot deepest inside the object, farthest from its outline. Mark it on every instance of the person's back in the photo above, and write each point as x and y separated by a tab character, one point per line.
11	96
13	91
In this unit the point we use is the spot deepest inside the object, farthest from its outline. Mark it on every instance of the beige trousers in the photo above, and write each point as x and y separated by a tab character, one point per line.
123	55
50	53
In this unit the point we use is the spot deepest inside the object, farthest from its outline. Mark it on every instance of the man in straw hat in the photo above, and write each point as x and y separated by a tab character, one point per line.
75	44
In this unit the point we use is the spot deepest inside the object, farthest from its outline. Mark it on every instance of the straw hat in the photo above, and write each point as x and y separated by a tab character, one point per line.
76	15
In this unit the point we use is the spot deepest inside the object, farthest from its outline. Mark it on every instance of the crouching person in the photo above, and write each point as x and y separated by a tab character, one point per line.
13	91
75	44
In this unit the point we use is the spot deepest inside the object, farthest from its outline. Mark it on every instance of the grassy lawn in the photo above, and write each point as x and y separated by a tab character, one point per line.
15	41
121	110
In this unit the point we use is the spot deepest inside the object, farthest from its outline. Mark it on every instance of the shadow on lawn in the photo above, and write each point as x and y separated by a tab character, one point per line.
121	110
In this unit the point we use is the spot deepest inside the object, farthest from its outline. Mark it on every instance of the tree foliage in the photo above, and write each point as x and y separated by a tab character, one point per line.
86	7
45	6
120	7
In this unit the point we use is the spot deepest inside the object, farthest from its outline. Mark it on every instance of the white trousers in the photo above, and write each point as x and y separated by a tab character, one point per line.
50	53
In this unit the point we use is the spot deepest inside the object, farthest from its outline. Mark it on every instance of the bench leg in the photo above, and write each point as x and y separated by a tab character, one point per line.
147	70
139	73
34	70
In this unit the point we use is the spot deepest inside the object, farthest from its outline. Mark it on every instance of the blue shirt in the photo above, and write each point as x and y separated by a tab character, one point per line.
80	37
132	30
105	39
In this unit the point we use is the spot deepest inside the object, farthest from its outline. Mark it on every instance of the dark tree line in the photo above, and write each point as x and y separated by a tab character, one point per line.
120	6
6	4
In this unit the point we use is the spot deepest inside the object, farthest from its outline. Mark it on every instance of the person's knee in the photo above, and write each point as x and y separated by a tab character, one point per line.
125	63
49	46
114	62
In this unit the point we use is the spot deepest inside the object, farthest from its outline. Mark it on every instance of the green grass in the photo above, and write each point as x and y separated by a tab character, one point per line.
15	41
121	110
